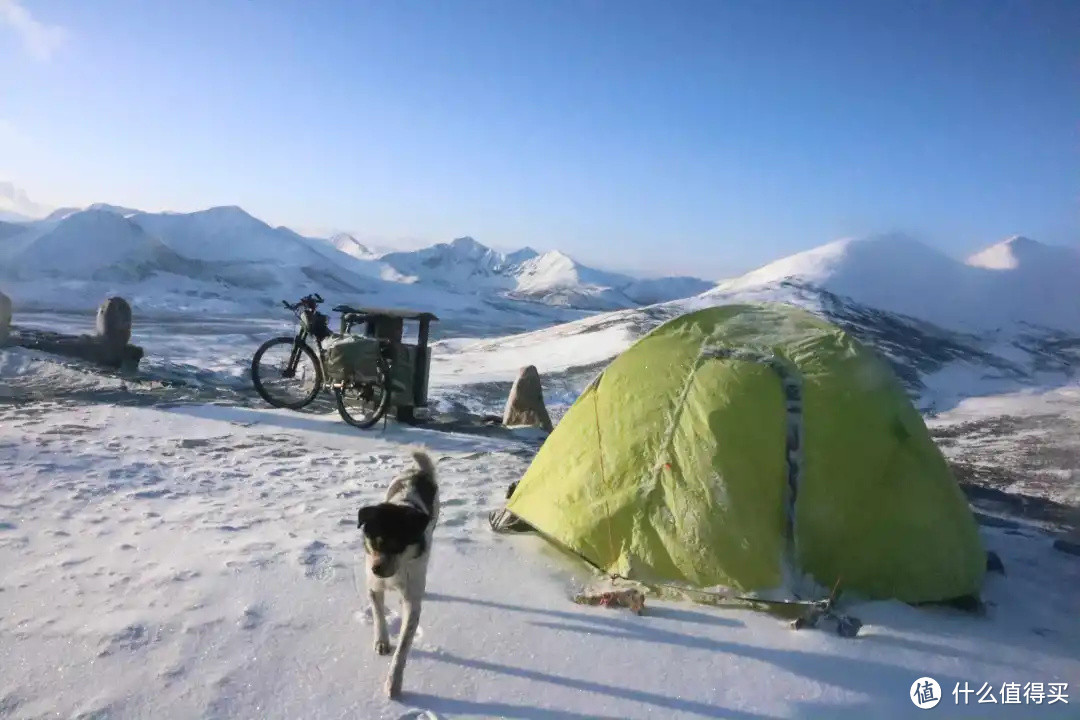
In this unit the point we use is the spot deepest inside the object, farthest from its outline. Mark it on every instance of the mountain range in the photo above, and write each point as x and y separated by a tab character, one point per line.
227	247
227	256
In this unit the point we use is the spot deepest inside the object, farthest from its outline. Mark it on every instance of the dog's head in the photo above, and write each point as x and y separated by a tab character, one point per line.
390	532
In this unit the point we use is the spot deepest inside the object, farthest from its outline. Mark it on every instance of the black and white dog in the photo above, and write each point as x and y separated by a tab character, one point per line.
397	537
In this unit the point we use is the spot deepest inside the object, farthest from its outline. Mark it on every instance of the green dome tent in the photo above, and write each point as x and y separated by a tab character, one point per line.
754	447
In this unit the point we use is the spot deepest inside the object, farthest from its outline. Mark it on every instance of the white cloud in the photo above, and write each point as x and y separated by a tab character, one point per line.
15	203
39	39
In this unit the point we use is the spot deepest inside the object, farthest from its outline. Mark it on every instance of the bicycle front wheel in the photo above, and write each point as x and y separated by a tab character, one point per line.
286	373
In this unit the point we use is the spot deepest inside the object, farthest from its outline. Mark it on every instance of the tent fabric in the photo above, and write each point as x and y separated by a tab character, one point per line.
749	447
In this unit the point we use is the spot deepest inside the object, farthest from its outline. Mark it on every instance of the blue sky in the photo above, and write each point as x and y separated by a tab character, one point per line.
695	137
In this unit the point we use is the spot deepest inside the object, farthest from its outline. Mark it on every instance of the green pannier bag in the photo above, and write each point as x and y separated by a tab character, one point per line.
352	357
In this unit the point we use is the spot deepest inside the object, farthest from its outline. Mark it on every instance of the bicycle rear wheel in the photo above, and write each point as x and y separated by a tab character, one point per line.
286	374
362	404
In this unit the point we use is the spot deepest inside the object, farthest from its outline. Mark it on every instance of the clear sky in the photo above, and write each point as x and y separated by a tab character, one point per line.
696	137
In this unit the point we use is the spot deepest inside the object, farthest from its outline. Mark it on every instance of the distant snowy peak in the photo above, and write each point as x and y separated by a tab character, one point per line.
227	234
550	270
115	209
552	277
349	245
459	261
92	244
1019	252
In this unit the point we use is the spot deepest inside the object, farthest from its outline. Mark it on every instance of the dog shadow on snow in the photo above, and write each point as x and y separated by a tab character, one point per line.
887	682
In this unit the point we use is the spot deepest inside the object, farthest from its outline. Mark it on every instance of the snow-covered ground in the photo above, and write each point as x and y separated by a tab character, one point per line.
171	548
1023	443
202	561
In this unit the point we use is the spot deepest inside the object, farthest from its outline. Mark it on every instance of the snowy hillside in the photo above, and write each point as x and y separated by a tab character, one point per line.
96	244
226	234
1016	282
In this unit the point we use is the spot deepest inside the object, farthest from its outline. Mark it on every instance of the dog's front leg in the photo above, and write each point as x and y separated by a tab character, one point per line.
411	608
378	614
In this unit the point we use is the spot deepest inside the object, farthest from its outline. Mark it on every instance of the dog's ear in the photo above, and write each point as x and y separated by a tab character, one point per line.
365	514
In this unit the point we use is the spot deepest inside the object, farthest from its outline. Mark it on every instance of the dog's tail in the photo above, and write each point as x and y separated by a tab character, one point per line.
424	462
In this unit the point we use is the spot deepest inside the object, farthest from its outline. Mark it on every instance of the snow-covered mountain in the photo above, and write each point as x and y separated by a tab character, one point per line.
551	277
95	244
225	234
1015	282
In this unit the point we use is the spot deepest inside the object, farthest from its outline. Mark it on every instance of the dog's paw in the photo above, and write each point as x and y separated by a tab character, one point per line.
382	647
393	688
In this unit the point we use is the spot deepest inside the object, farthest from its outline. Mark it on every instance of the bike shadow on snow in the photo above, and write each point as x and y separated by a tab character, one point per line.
331	424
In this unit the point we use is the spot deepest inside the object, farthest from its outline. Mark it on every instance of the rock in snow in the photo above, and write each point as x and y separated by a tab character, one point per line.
525	406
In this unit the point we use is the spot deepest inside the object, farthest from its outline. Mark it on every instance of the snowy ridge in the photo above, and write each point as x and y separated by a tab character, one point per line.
1017	282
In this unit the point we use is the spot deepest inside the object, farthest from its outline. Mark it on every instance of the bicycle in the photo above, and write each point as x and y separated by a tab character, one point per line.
361	401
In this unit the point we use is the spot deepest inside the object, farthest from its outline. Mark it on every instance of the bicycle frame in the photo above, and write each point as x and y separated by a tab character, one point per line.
306	310
302	335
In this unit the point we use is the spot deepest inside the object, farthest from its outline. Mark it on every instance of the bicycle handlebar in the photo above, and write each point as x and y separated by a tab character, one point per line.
308	301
